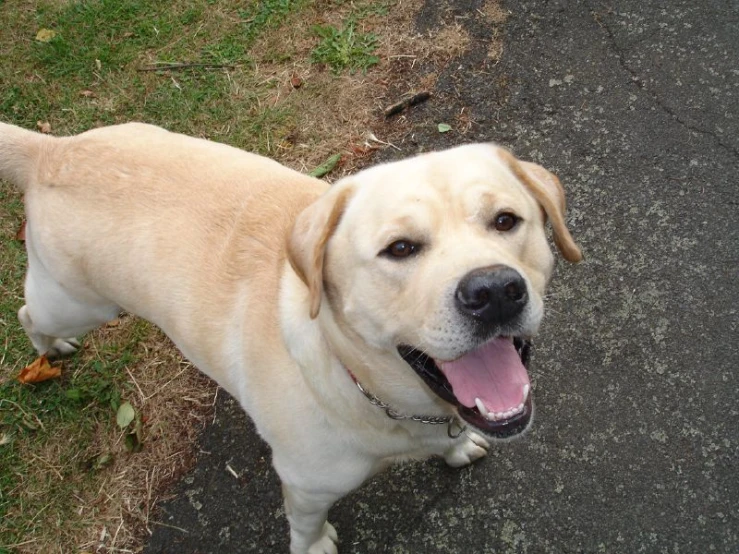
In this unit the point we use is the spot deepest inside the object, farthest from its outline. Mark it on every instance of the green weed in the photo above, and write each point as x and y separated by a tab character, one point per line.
345	48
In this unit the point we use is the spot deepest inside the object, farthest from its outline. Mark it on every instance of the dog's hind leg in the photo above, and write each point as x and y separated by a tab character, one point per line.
43	343
52	317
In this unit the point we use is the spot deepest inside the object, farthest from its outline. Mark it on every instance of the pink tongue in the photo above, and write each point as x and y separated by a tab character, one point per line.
493	373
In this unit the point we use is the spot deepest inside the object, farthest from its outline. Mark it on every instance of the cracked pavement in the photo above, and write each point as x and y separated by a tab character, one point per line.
635	447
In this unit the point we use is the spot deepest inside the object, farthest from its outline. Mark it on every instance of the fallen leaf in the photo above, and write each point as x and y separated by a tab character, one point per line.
125	415
5	439
101	461
113	323
45	35
73	394
326	166
88	94
134	440
39	370
21	234
44	126
296	81
133	443
359	150
444	127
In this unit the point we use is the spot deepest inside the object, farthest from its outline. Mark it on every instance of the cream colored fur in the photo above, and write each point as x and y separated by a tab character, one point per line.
270	282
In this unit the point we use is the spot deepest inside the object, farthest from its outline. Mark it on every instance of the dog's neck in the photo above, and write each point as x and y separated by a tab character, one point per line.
451	421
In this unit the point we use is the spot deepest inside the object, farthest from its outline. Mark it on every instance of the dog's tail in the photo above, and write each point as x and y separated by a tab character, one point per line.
19	153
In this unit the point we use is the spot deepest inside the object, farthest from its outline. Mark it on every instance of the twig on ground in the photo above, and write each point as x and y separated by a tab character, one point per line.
373	138
171	526
24	412
232	471
143	396
215	397
407	103
178	66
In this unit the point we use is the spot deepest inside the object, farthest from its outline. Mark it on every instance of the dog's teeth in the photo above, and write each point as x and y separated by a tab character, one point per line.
481	407
526	389
497	416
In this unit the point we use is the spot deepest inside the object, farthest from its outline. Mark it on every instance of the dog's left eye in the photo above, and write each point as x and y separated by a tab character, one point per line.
505	221
401	249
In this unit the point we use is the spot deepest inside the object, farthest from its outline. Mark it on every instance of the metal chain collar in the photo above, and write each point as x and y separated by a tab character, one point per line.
393	414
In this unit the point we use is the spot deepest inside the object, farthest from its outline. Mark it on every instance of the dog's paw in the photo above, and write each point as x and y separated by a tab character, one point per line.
63	347
327	543
471	448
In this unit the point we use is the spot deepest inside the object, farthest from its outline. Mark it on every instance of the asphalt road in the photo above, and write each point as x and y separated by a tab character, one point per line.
635	448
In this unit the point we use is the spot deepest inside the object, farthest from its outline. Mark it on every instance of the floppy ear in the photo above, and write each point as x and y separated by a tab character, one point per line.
306	245
548	191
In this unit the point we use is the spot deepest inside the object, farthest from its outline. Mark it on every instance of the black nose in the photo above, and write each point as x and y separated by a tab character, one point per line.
494	295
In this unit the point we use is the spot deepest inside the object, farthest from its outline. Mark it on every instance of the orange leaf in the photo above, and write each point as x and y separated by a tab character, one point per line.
359	150
39	370
21	234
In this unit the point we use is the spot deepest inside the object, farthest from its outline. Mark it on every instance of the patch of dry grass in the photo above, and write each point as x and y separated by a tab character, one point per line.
93	494
175	401
340	114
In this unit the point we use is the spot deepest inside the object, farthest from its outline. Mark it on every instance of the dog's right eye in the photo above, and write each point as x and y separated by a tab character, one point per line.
505	221
401	249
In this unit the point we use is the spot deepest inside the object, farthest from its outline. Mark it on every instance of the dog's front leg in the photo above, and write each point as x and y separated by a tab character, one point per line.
458	447
466	449
311	485
310	533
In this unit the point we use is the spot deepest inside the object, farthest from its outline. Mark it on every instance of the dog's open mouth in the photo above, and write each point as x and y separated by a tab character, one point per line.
490	386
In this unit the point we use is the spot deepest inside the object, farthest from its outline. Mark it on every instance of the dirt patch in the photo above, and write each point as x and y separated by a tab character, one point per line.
344	114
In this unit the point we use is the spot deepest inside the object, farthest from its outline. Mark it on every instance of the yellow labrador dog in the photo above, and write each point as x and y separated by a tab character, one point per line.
377	320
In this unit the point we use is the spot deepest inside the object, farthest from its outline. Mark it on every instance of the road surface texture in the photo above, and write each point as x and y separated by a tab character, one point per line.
635	447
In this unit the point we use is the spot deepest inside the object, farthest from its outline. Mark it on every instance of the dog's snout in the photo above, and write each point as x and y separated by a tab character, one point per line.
494	295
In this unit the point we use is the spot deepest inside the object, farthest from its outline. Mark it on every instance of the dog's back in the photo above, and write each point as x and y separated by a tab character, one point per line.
135	217
19	153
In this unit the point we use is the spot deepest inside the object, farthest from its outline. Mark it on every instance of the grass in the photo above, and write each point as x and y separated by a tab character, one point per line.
297	80
101	45
345	48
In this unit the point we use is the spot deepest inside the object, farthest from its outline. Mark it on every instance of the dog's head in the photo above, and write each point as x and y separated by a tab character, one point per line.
433	267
